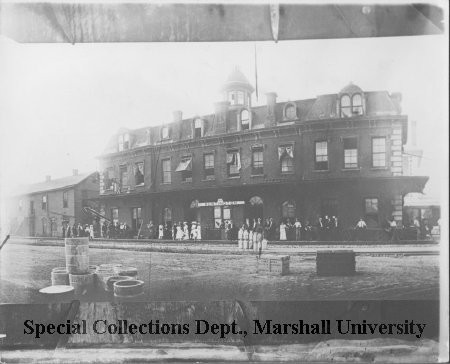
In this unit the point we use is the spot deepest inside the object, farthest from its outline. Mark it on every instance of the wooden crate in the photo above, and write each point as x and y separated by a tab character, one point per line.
335	262
274	264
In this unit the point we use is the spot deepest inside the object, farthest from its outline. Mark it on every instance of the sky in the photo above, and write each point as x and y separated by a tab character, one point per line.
60	103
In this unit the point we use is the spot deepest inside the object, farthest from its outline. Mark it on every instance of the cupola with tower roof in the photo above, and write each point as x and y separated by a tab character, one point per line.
237	90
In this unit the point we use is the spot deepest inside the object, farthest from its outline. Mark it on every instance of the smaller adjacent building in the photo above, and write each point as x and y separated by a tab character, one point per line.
43	208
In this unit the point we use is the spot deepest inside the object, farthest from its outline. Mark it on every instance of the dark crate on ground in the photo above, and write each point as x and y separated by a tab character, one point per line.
274	264
335	262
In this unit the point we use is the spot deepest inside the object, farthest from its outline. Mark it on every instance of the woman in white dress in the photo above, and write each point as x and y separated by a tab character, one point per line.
186	231
245	239
180	233
282	231
160	231
199	232
241	237
194	231
250	238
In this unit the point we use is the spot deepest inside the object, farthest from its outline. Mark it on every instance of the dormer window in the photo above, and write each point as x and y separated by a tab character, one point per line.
352	105
198	128
165	132
346	107
357	105
245	120
124	142
290	112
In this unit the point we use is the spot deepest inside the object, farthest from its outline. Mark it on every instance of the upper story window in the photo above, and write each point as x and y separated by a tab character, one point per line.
245	119
166	171
286	157
290	112
108	178
379	152
350	153
346	107
139	173
321	156
208	165
165	132
257	161
185	167
66	199
123	176
31	207
233	163
124	142
198	128
20	205
357	104
44	202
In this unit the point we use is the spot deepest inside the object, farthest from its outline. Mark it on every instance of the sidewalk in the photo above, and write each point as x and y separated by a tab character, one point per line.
205	247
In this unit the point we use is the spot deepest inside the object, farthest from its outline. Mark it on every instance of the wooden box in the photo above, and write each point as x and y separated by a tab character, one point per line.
274	264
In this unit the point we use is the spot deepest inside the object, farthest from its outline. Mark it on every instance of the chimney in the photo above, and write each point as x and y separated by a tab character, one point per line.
221	113
48	178
413	133
177	116
271	101
75	172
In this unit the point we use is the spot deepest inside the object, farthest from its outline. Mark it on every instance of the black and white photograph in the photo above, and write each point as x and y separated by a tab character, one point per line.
233	181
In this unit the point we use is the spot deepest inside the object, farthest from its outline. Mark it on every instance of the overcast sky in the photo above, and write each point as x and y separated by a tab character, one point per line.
60	103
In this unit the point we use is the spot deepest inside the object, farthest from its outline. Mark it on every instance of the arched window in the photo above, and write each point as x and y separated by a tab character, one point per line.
290	112
357	105
288	210
346	108
245	120
256	200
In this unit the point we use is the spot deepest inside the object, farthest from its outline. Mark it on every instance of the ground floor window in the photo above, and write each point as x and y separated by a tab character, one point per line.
115	215
288	210
136	218
329	207
167	215
371	208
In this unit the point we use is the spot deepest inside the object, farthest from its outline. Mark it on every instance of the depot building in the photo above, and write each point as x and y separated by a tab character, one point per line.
337	154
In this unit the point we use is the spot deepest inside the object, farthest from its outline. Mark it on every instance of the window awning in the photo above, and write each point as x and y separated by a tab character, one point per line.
184	165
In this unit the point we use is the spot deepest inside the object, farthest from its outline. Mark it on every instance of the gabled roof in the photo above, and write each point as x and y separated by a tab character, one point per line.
53	184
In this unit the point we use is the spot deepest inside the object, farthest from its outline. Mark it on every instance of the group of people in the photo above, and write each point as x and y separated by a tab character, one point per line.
176	231
78	230
116	230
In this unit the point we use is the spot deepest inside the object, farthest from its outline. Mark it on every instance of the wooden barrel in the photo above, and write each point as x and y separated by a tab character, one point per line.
114	279
60	277
59	293
82	283
128	288
126	271
77	255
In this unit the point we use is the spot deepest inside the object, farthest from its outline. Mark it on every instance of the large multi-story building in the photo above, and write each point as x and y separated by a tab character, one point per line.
338	154
43	208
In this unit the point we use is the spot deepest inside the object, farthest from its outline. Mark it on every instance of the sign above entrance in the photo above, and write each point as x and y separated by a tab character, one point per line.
220	202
